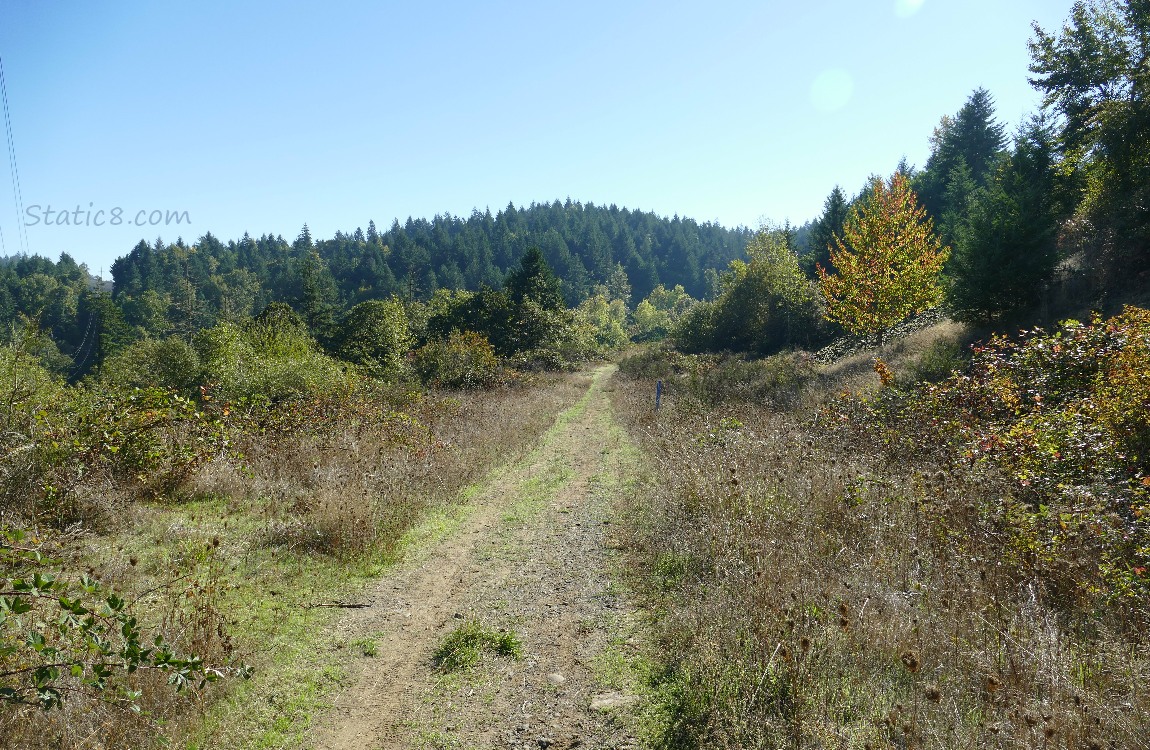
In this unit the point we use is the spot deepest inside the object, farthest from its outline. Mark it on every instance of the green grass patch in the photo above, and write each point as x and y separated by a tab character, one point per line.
536	492
435	526
433	739
366	646
463	647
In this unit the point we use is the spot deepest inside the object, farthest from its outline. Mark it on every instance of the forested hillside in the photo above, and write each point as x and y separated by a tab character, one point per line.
584	244
167	288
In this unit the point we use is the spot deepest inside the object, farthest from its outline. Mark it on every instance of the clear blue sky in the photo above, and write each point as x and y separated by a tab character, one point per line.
259	117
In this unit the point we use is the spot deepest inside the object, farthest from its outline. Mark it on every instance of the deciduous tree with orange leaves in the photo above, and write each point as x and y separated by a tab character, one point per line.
887	261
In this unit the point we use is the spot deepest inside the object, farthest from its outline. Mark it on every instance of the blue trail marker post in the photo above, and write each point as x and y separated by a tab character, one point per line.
658	394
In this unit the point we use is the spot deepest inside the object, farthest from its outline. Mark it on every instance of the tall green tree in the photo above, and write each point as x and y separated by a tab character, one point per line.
317	297
828	226
1094	74
972	137
533	280
962	192
1007	247
107	333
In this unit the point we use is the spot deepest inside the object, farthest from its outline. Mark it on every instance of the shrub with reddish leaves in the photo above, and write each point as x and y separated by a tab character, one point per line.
1062	421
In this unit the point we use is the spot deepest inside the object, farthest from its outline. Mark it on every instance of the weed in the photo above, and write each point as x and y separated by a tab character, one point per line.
434	740
942	358
669	570
366	646
463	647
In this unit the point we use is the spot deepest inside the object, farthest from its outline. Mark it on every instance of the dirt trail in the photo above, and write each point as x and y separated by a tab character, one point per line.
529	554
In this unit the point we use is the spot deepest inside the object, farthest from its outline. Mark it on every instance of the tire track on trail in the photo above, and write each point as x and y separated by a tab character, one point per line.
529	553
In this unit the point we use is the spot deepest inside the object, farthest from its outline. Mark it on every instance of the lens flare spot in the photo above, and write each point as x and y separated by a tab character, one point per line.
907	8
832	90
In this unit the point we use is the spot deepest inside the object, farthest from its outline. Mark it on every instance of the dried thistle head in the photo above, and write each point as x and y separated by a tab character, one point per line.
991	683
933	694
910	661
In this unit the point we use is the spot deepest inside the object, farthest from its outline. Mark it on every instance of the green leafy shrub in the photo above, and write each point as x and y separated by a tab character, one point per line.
265	363
462	360
61	638
695	330
606	321
658	362
765	304
655	317
942	359
58	439
526	321
168	363
27	390
375	335
60	443
29	395
147	441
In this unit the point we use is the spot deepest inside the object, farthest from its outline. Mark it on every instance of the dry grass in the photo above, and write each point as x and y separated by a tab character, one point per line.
351	490
856	371
815	594
230	564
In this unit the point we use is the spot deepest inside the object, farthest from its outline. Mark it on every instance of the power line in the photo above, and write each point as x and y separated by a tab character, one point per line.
78	364
17	193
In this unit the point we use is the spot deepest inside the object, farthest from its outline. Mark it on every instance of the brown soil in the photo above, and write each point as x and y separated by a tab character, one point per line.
530	554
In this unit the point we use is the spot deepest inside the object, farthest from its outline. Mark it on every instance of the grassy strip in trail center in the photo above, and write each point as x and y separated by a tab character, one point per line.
629	664
441	523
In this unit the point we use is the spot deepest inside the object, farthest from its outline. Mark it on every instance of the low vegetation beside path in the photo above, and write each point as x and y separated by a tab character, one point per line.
159	548
866	559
